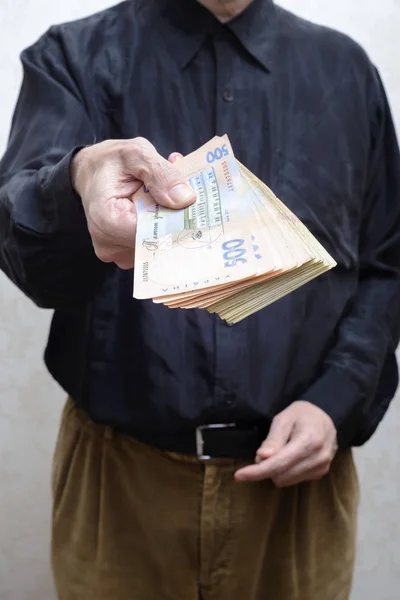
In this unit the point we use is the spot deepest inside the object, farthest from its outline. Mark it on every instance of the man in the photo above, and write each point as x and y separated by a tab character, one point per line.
138	511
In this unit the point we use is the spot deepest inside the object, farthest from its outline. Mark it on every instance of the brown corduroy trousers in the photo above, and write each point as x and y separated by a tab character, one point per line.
132	522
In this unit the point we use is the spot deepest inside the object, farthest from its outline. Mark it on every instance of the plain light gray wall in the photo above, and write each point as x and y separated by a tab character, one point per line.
30	401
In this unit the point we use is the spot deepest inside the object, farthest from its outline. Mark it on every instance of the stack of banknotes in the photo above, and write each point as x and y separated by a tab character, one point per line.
236	250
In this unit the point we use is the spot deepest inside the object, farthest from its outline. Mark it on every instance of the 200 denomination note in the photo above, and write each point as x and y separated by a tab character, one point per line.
207	244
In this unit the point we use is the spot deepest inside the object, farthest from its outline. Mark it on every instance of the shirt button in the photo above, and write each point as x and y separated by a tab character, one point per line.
228	95
229	399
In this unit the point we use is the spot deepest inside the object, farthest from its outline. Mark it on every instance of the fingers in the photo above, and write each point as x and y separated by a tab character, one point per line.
313	475
174	157
113	231
165	182
122	257
278	464
309	469
279	434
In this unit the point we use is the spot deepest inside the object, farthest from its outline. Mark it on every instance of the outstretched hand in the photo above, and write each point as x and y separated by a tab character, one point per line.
107	175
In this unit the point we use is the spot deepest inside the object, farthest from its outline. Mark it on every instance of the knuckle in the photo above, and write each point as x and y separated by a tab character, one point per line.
142	164
102	254
275	473
110	145
149	168
278	420
320	472
108	149
161	172
278	471
148	165
125	265
136	154
141	143
141	147
324	460
314	441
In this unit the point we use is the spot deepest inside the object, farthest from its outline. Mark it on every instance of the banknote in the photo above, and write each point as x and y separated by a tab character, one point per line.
236	250
207	244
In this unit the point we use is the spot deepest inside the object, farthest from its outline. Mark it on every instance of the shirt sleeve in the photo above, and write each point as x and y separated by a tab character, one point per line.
45	246
359	376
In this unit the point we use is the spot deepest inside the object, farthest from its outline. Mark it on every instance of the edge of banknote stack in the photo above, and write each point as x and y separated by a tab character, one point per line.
236	250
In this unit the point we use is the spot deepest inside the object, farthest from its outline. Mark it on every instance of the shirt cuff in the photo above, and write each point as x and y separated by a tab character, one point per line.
339	396
62	200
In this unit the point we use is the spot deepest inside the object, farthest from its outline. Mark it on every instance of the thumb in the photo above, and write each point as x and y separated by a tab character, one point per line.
278	436
167	184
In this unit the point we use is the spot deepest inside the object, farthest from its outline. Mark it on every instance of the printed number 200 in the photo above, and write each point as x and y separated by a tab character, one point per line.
217	154
233	253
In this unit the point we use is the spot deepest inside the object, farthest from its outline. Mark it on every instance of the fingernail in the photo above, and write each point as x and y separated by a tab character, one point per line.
267	447
181	193
175	157
265	451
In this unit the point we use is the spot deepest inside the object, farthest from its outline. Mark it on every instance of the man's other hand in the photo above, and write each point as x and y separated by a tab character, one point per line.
300	447
107	175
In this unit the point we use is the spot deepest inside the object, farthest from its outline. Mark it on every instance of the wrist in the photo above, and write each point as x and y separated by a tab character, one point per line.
78	171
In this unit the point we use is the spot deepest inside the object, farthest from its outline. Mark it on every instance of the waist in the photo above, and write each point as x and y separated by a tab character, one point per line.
235	440
212	440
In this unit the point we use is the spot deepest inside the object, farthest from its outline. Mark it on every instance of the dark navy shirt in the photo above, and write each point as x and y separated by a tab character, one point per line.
306	111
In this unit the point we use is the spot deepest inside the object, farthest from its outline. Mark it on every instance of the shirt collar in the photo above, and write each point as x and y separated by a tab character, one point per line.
189	23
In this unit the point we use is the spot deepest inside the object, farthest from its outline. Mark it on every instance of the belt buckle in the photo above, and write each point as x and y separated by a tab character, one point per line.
200	439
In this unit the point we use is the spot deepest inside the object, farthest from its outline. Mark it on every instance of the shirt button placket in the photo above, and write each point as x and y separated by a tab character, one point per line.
225	93
228	340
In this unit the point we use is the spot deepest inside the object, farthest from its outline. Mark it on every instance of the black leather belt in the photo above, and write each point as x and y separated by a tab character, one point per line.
227	440
219	440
